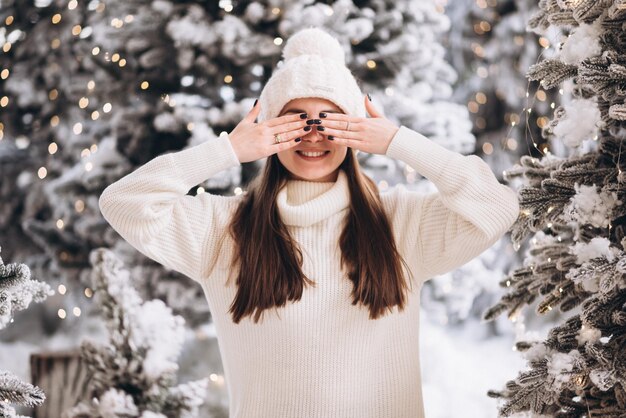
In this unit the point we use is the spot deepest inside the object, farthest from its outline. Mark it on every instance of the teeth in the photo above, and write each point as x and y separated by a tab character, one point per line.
312	154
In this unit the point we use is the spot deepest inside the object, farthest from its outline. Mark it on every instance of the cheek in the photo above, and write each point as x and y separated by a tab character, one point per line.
341	152
283	156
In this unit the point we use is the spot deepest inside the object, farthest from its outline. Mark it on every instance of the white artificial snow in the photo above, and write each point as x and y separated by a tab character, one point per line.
603	379
194	392
581	276
581	120
230	30
597	247
114	404
560	364
161	333
254	12
588	334
119	288
536	352
162	6
588	206
191	31
201	132
541	239
358	29
582	44
150	414
166	122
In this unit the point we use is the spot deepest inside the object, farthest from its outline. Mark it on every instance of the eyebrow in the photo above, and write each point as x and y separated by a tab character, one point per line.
303	111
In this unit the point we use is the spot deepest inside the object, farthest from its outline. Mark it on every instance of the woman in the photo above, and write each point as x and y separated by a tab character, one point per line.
314	312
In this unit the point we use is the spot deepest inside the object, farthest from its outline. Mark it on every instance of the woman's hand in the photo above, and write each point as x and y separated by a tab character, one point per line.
372	135
252	141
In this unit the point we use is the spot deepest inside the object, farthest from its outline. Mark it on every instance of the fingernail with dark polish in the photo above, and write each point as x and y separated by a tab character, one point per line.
311	121
318	121
307	128
323	115
298	139
320	128
331	137
255	102
369	97
303	116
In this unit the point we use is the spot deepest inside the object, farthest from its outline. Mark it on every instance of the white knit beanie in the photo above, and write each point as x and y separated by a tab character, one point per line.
313	66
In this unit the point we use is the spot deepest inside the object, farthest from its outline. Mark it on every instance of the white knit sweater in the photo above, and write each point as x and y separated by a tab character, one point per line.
322	356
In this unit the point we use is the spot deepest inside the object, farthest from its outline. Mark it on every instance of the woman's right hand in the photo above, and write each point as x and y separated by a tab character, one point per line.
252	141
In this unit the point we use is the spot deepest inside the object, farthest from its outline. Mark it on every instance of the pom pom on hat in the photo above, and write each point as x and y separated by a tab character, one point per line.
314	41
314	66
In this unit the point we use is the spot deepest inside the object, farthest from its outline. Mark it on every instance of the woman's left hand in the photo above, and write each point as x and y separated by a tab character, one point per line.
370	134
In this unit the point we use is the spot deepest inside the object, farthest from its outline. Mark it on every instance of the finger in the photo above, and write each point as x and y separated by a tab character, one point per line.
286	145
342	125
291	117
287	135
254	112
297	129
289	126
288	140
348	142
340	116
371	110
342	133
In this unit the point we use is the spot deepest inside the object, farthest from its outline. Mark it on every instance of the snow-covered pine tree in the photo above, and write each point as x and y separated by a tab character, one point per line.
17	291
574	206
134	374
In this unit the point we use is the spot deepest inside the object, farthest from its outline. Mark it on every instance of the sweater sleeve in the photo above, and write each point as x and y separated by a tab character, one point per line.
470	211
151	210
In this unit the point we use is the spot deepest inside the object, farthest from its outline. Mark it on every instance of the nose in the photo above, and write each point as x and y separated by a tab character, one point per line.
313	135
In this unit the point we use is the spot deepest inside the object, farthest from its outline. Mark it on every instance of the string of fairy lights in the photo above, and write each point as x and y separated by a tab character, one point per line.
579	379
512	119
545	43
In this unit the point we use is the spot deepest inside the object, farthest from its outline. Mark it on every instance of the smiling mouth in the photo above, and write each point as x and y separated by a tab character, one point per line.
313	156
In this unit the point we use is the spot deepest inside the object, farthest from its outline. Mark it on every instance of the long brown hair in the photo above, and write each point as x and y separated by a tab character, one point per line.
269	259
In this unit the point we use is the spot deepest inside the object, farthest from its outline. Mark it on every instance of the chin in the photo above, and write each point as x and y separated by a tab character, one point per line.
321	175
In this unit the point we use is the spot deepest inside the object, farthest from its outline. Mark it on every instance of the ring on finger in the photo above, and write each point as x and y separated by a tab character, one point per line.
277	138
348	126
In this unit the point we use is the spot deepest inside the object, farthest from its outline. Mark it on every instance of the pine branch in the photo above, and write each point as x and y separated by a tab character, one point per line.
15	391
551	73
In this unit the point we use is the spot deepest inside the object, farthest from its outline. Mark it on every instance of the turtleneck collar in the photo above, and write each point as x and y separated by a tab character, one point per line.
304	203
